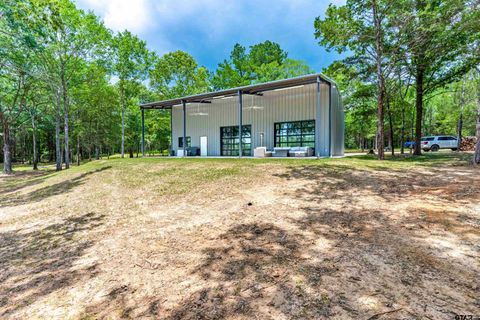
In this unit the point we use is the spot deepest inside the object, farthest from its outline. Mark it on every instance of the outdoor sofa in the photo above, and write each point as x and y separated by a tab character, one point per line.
283	152
300	152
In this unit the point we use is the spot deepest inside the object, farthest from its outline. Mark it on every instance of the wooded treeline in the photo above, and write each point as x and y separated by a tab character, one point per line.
410	54
70	87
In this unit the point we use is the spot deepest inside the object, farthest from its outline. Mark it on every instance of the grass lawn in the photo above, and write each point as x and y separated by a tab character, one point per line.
348	238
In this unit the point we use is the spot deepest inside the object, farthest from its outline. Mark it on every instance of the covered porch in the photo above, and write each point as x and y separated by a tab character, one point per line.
280	118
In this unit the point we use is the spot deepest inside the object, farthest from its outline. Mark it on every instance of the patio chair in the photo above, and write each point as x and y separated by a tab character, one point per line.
261	152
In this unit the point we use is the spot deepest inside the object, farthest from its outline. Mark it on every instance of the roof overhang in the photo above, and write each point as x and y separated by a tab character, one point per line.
256	89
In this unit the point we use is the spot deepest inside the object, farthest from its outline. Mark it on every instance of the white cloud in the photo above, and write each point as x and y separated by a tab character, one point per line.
208	29
218	17
118	15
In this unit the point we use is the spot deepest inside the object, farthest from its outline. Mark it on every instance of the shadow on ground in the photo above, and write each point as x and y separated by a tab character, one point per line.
339	182
23	179
354	262
254	268
16	199
36	263
372	265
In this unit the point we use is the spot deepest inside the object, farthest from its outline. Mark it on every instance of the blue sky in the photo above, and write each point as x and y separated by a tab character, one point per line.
208	29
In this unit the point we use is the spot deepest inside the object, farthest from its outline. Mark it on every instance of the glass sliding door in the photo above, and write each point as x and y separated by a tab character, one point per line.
229	141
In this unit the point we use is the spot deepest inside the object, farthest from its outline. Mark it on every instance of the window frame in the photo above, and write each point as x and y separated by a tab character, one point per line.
232	145
294	139
180	142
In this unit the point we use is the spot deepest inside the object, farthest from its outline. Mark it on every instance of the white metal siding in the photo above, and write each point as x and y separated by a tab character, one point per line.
338	124
261	112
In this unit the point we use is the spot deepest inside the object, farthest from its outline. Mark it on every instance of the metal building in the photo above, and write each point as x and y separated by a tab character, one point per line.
296	112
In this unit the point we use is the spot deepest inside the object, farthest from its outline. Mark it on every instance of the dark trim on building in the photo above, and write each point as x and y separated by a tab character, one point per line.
254	89
240	137
275	135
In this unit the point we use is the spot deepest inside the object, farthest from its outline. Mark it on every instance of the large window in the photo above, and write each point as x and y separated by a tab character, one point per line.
180	142
229	142
295	134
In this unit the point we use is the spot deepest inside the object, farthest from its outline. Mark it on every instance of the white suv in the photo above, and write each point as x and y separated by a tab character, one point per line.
435	143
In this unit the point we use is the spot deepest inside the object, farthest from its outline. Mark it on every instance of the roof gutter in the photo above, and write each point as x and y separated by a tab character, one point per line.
250	89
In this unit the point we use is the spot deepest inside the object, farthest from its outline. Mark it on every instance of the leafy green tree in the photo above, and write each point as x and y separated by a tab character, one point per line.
265	53
70	35
177	74
233	73
37	103
440	44
476	156
96	117
16	43
131	63
359	103
361	26
241	64
157	124
264	62
295	68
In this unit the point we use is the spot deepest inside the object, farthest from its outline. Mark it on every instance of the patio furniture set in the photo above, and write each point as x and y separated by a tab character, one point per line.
282	152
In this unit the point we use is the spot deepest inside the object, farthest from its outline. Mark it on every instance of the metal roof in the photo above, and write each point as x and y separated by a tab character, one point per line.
250	89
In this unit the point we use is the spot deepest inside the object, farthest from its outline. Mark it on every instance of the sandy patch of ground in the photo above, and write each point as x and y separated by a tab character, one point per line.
240	240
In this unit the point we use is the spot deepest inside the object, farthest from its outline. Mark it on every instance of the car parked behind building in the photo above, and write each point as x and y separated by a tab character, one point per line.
435	143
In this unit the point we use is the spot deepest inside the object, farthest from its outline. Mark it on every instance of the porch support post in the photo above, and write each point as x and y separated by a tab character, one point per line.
184	128
143	132
240	120
330	120
318	113
170	151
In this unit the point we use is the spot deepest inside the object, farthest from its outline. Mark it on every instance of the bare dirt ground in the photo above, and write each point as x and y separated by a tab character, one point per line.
241	239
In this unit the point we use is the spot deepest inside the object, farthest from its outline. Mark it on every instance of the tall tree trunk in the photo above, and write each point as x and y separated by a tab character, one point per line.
476	156
460	118
58	151
402	102
13	144
66	108
123	102
34	142
78	150
7	155
24	148
390	121
402	133
419	110
381	83
50	146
